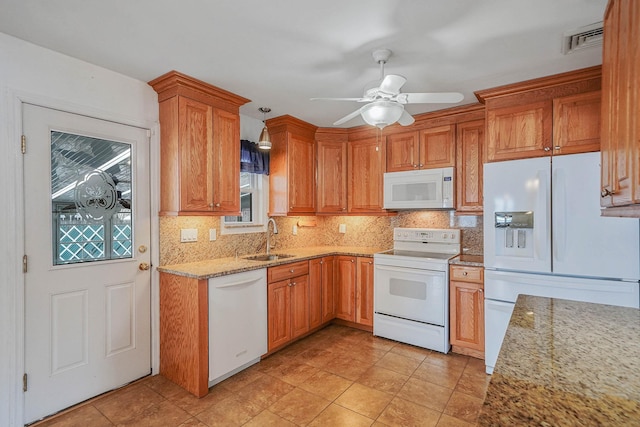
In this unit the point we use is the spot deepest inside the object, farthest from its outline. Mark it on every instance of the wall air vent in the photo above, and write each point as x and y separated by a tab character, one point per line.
582	38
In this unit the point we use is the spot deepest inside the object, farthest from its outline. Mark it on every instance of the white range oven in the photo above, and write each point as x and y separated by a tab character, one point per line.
411	287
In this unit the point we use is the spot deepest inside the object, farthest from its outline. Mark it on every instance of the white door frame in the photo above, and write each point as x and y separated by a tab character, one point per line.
12	234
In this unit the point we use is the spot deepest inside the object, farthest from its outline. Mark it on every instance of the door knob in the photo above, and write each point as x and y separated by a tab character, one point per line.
143	266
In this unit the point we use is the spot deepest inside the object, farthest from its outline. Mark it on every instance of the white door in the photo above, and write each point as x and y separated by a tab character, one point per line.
87	280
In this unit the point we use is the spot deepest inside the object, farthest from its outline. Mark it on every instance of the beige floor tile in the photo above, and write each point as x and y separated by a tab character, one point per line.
299	406
464	407
367	354
267	418
127	404
426	394
364	400
347	367
475	365
383	379
161	385
194	405
265	391
449	421
335	415
325	384
411	351
318	357
241	379
398	363
163	414
474	384
193	422
378	342
293	372
232	411
86	415
451	360
403	413
437	374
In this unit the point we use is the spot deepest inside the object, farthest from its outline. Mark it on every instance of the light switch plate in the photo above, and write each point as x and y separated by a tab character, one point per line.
294	230
188	235
342	228
212	234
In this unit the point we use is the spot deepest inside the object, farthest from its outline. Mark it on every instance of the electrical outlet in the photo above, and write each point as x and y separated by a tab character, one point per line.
342	228
212	234
188	235
294	230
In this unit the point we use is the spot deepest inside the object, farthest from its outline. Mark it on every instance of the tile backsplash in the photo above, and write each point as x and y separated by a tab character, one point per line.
374	231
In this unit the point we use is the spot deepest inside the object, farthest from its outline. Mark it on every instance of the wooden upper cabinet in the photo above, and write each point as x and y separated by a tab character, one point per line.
576	123
437	147
366	166
292	183
332	171
199	147
620	186
403	151
531	118
469	149
429	148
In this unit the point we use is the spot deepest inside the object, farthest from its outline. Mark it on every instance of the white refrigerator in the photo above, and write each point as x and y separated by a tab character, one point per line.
544	236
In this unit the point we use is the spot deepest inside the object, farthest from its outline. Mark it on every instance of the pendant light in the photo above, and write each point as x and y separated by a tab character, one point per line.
264	142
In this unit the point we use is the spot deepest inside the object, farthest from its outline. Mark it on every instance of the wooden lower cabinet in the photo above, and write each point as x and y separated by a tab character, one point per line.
321	292
278	313
466	310
354	289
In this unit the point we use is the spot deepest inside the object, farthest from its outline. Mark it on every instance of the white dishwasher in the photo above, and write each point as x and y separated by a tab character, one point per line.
237	322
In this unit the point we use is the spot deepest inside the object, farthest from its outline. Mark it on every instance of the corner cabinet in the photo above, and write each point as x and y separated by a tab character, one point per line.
620	179
199	147
292	178
466	310
354	291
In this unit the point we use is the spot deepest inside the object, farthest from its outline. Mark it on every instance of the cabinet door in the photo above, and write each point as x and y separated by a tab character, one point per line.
467	315
226	162
366	165
519	132
402	151
364	291
299	289
315	292
437	147
278	312
345	287
328	292
332	177
195	142
576	123
469	146
302	183
620	100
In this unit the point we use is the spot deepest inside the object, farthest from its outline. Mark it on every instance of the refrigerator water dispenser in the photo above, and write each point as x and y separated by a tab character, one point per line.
514	233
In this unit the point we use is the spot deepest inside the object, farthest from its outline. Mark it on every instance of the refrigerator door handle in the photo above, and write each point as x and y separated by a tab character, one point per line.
541	219
559	214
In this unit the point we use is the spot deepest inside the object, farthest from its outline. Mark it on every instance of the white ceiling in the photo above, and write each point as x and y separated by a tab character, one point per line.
280	53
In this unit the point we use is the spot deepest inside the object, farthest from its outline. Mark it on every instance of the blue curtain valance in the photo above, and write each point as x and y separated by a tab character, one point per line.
252	159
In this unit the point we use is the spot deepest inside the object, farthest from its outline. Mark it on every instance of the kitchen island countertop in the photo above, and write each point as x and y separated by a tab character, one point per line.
566	363
224	266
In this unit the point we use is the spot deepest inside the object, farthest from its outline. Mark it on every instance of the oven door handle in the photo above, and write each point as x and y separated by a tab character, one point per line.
385	267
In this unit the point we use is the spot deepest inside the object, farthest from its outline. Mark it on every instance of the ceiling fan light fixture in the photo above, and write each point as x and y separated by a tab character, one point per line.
381	113
264	142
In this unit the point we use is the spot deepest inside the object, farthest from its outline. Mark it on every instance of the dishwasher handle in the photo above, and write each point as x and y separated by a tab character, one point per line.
239	283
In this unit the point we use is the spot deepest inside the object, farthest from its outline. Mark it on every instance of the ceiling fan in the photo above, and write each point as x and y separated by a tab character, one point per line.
385	102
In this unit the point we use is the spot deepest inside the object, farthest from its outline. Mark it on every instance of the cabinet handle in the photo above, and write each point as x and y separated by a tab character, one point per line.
352	261
420	165
217	205
291	270
321	262
293	284
415	166
465	273
289	284
547	148
370	262
210	205
606	192
481	291
557	147
344	209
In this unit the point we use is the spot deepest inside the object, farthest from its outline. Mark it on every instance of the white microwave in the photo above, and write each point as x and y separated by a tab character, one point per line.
420	189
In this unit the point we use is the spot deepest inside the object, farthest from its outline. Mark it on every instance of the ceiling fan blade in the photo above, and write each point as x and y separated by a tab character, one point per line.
406	119
348	117
341	99
430	98
392	83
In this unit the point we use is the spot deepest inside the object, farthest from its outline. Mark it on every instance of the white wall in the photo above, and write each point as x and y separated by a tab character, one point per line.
41	76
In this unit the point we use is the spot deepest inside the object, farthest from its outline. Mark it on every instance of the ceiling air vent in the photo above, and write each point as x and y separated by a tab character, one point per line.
582	38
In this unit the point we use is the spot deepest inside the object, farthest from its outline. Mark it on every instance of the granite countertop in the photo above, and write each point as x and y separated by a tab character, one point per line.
469	260
224	266
566	363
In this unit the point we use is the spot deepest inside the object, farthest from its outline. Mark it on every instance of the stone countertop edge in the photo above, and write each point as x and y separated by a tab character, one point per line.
468	260
224	266
566	363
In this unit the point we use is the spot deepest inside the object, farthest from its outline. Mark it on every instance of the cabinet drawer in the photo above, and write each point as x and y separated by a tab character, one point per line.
286	271
466	274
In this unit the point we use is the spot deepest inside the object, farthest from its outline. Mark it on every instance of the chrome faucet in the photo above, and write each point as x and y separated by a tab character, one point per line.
275	231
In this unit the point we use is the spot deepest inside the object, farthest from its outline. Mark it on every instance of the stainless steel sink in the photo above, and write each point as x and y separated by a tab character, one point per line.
268	257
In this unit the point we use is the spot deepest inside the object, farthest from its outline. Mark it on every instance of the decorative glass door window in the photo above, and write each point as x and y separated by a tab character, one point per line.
91	198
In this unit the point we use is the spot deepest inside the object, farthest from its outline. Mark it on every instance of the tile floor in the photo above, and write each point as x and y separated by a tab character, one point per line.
338	376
